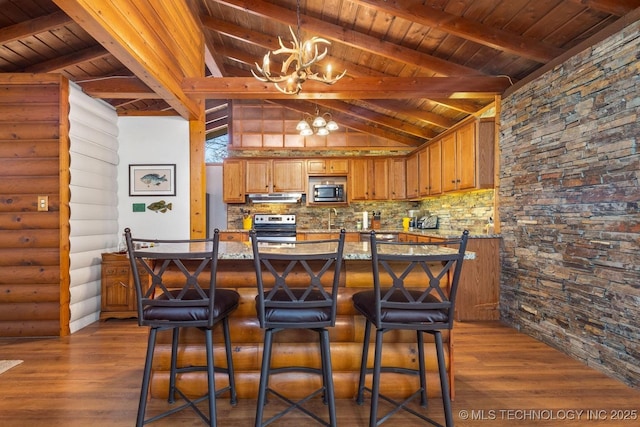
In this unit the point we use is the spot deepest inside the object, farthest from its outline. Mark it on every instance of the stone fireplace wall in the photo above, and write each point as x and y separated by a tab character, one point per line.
569	206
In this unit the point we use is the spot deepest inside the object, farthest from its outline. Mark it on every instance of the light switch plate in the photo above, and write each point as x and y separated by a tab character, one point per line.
43	203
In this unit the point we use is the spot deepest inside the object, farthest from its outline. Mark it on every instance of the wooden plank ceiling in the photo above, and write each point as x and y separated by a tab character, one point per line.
415	68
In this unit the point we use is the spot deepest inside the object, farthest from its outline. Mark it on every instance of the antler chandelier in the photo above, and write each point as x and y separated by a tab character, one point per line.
297	67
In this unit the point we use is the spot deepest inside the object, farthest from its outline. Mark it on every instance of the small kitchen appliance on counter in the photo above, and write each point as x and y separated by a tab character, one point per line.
428	222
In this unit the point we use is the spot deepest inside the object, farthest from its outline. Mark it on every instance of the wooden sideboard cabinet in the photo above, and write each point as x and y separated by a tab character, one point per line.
118	298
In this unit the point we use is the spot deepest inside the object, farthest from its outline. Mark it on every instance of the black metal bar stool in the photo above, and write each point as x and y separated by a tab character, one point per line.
414	288
187	299
297	289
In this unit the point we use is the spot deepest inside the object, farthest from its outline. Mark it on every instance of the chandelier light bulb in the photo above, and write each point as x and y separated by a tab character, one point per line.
302	124
319	122
331	125
322	131
306	132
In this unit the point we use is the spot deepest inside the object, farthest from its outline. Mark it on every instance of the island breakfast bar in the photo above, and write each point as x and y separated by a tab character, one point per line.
295	347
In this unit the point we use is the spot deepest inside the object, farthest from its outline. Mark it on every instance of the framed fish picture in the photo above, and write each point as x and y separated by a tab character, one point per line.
152	180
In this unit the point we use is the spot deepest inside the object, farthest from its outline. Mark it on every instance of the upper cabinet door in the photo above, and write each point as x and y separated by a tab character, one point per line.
233	181
289	175
435	168
258	176
466	156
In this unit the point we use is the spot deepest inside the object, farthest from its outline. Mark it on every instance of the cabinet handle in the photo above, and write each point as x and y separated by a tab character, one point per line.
124	285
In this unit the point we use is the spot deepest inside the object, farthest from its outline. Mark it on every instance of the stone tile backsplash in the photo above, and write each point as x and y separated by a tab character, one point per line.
469	210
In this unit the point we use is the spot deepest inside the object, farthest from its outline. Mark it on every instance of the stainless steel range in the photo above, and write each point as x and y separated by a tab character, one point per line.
275	228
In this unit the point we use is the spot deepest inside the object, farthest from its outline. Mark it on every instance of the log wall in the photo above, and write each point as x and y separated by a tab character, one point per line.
34	258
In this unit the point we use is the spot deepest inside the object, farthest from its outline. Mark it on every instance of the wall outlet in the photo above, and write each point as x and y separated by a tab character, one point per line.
43	203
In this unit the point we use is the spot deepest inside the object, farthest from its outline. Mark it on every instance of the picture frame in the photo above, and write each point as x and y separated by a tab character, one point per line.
152	180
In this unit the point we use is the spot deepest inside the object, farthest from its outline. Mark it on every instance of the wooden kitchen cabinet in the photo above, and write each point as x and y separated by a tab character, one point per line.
234	236
289	176
258	176
233	181
118	293
429	170
412	176
468	156
397	179
274	176
328	166
435	168
423	172
369	179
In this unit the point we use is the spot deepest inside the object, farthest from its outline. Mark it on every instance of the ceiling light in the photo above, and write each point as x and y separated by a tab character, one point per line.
331	125
296	68
302	125
320	124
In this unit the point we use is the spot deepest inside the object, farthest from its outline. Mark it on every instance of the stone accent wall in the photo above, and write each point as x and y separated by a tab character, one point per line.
569	207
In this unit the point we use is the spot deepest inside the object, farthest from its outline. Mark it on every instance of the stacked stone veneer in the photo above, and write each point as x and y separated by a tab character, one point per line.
568	202
469	210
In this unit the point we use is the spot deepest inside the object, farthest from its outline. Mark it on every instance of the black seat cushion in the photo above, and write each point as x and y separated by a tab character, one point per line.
294	315
225	302
365	303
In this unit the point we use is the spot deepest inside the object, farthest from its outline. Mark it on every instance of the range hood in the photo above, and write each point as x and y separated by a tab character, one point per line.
275	198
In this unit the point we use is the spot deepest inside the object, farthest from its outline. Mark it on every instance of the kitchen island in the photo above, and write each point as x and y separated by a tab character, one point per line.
297	347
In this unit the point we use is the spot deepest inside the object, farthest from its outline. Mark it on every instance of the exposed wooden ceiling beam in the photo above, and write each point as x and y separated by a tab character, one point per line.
402	108
614	7
34	26
375	117
118	87
495	38
352	38
349	88
348	121
160	43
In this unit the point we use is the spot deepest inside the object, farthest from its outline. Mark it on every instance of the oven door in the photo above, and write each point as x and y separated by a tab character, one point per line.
275	232
275	236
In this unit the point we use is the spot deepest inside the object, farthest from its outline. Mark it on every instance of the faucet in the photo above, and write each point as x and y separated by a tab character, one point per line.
335	212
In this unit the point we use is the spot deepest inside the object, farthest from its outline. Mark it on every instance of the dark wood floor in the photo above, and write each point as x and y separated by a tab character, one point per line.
503	378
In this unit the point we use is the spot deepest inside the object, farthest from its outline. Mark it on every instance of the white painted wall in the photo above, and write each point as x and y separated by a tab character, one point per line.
154	140
93	221
217	208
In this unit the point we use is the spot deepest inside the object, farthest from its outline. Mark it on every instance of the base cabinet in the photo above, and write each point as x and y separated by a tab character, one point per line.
118	299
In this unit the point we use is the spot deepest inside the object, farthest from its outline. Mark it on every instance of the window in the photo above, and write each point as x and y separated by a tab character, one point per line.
215	149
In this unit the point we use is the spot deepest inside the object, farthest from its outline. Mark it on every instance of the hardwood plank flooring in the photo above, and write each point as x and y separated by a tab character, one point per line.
503	378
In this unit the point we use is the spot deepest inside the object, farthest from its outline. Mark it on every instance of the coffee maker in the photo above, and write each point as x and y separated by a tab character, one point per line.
413	214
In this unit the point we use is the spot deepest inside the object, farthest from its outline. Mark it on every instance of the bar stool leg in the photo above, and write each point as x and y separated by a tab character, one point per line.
142	405
264	375
230	370
363	363
327	375
421	369
375	386
211	378
174	365
444	382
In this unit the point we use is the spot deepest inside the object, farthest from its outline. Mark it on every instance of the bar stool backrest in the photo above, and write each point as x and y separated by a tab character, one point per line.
421	276
182	276
297	275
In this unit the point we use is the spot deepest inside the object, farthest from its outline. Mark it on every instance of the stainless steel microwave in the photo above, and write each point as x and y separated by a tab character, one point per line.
329	193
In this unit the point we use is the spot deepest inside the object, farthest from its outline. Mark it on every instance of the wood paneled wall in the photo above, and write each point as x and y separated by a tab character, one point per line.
34	248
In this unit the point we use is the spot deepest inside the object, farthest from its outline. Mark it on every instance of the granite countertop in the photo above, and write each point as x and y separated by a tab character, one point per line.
435	232
243	250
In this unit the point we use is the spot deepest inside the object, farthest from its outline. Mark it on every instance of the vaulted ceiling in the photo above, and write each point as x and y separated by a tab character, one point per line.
414	68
